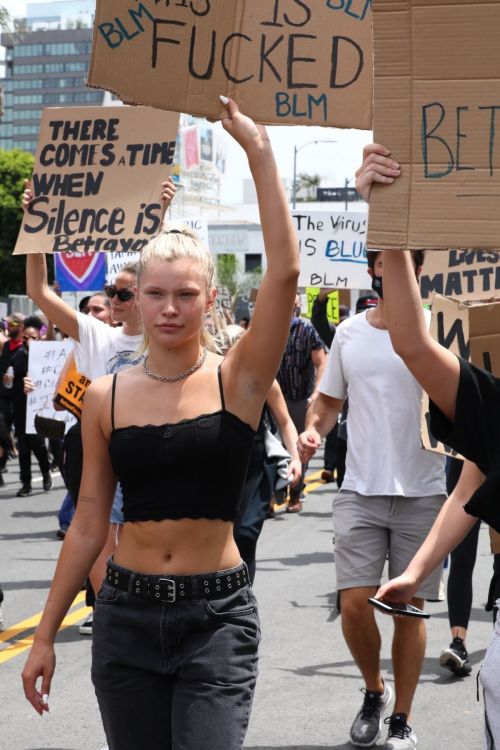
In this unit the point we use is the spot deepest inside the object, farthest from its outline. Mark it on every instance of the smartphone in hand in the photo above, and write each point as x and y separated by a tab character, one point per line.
398	608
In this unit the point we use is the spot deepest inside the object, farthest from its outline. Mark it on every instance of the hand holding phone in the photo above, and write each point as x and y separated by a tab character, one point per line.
398	608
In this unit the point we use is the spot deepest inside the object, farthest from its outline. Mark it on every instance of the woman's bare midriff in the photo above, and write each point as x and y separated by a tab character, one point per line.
183	547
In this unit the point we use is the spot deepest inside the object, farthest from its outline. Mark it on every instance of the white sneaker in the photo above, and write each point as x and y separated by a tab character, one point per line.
400	736
86	627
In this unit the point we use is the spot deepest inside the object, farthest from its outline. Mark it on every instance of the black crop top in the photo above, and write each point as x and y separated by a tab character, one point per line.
195	468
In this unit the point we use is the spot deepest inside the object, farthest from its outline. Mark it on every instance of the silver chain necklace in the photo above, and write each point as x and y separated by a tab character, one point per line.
180	376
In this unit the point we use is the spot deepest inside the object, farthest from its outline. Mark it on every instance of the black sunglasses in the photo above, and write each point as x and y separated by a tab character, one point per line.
124	295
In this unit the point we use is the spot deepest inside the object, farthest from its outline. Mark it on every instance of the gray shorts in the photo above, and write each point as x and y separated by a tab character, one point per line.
368	529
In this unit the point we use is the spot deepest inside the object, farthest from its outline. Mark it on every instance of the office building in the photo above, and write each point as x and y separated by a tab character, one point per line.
45	66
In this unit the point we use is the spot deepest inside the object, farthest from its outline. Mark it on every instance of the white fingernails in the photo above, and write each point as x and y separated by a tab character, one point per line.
224	100
45	698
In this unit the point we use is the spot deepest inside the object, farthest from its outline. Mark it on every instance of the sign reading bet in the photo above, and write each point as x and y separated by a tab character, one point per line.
283	61
437	108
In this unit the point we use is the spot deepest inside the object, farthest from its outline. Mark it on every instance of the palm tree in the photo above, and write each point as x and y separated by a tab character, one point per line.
310	183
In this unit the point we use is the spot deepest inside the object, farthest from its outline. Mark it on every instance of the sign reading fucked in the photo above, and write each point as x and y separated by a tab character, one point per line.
307	62
332	249
97	179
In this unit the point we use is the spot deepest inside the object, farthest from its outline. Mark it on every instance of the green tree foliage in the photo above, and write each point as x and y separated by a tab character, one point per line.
230	273
15	167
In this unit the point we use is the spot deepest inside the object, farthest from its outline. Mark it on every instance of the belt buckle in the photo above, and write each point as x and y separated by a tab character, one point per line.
170	587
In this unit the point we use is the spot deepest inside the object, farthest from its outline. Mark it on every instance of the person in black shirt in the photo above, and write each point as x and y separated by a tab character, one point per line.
299	375
14	329
465	409
27	443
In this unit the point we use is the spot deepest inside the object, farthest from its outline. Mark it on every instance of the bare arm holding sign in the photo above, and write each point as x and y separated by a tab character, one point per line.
37	287
450	527
436	369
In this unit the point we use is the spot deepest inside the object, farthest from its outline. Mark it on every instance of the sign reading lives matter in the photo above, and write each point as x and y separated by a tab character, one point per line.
437	108
97	177
463	274
306	62
332	249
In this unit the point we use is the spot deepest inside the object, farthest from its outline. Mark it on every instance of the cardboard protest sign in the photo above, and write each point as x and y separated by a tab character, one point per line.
71	389
332	305
332	249
80	272
224	297
283	61
471	330
436	100
116	261
97	179
464	274
45	362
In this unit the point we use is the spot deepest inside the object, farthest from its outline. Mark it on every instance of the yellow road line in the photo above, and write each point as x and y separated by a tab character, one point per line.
21	644
25	643
310	477
310	487
32	622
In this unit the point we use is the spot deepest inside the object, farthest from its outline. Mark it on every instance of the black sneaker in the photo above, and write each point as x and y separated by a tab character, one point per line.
366	727
47	482
24	491
456	659
400	735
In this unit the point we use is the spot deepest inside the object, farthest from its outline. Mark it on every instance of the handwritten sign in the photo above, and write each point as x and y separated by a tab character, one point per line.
332	305
283	61
97	179
470	330
45	362
464	274
116	261
71	390
332	249
436	105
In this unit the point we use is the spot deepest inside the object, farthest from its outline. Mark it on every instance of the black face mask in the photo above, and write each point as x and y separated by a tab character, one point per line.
377	286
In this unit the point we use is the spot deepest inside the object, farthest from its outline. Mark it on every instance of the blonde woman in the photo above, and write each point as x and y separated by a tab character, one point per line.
176	629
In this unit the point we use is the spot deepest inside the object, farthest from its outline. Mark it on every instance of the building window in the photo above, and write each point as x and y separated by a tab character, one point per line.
253	262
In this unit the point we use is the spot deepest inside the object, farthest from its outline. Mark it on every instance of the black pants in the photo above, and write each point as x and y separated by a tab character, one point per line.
26	444
462	561
330	454
177	676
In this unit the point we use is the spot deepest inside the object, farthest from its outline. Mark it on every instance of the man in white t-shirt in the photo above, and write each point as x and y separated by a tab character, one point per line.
391	493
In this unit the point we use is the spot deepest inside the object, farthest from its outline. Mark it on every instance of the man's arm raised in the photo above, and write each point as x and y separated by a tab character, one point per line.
434	367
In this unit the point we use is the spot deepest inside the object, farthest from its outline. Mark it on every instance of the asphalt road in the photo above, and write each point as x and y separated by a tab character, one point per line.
308	690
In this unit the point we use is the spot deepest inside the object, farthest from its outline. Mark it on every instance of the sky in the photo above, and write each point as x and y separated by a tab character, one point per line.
334	162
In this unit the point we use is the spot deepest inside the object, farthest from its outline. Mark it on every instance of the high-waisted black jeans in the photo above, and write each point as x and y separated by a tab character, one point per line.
175	676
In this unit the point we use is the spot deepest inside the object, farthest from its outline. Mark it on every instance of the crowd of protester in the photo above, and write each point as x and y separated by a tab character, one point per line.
268	391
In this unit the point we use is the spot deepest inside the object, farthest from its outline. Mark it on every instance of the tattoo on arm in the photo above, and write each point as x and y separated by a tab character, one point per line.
87	499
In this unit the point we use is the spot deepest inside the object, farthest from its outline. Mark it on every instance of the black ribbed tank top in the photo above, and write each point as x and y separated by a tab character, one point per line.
195	468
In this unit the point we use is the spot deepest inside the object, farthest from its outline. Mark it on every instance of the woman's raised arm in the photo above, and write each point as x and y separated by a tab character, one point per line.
256	357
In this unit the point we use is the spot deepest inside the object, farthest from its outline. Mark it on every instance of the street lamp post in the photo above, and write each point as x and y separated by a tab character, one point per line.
295	152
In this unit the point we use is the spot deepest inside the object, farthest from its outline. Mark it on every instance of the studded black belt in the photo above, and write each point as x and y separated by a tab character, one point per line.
171	588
